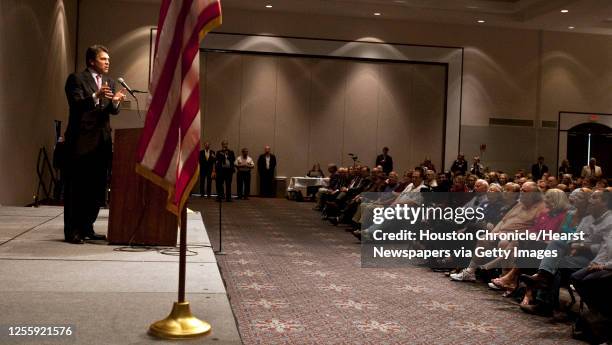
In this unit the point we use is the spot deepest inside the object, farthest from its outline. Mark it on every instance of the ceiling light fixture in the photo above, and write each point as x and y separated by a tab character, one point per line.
377	13
481	21
268	6
571	27
564	11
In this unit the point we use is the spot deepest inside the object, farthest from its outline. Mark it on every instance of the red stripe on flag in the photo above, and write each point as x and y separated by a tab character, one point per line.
163	12
190	110
163	85
209	14
170	144
185	174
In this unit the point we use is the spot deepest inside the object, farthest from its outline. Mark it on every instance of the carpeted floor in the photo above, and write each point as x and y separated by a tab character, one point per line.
295	279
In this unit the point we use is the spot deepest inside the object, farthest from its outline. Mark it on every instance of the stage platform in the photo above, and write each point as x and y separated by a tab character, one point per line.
108	295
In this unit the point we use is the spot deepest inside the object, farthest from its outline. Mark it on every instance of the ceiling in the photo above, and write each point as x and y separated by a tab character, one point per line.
588	16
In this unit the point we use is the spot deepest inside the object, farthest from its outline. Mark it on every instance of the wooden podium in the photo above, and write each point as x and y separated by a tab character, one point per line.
137	214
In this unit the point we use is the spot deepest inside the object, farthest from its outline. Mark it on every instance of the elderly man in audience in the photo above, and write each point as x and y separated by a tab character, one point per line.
334	176
362	217
470	181
490	199
430	179
503	179
542	185
342	208
592	169
476	168
522	216
334	191
491	177
566	179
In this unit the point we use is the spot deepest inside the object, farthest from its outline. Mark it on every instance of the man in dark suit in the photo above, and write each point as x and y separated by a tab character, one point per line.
538	169
460	165
88	149
224	171
385	161
266	163
207	161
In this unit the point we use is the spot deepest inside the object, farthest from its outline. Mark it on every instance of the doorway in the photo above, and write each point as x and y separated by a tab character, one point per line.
588	140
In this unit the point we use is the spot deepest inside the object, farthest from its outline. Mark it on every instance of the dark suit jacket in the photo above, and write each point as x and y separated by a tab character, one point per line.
386	163
536	172
220	157
261	165
88	125
207	165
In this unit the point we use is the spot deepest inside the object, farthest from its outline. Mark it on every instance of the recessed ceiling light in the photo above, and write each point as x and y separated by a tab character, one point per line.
481	21
268	6
564	11
571	27
377	13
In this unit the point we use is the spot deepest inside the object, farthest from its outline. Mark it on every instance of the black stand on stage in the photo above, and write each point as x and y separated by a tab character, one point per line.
220	251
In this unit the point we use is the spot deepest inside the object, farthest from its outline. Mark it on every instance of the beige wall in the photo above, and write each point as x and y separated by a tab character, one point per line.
36	55
313	110
508	73
523	74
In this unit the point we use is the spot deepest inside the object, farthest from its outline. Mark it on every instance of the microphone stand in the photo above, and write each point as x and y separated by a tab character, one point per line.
220	251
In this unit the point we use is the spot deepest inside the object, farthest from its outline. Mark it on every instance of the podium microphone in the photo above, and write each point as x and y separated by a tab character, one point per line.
129	89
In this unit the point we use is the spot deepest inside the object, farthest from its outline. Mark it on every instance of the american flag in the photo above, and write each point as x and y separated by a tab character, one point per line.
170	141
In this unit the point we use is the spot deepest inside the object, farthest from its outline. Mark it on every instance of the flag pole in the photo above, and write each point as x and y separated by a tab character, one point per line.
180	324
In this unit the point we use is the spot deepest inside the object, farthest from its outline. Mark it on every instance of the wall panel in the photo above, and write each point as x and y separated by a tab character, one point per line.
314	110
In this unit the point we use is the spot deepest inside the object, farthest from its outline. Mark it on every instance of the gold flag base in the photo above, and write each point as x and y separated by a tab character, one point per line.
179	324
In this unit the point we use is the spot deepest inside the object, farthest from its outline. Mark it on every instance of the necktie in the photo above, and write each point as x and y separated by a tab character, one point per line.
99	81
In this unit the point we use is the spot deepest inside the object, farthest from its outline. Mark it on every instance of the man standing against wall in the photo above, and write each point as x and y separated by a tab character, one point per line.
385	161
91	98
538	169
244	165
266	165
207	161
224	171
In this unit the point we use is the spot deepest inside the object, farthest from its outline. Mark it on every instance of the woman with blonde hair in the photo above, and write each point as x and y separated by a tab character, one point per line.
550	221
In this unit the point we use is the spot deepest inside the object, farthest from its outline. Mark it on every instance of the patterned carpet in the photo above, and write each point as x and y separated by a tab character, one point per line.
295	279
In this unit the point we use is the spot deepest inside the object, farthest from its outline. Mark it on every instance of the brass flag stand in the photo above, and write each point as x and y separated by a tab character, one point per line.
180	324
